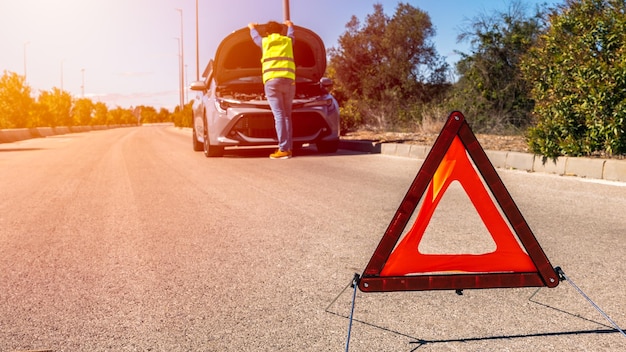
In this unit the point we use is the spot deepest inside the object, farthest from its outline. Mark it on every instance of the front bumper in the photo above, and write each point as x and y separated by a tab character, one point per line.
247	126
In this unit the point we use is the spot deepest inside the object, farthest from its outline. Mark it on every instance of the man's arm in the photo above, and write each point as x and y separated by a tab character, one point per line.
256	37
290	31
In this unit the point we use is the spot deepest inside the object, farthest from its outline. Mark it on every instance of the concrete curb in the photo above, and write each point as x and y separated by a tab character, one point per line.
601	169
20	134
361	146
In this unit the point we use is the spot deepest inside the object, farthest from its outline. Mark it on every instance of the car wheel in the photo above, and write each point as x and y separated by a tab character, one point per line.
211	151
327	146
197	146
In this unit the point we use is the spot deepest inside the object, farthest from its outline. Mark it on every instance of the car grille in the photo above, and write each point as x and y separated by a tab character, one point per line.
305	124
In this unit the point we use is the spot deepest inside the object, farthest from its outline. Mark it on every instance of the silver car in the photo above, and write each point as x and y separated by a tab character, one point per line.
233	111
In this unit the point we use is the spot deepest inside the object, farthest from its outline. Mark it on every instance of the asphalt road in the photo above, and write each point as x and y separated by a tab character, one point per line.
127	240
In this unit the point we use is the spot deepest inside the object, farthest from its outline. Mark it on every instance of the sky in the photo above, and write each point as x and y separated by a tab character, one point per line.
126	52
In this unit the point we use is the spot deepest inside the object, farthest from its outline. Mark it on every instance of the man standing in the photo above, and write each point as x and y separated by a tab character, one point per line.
279	78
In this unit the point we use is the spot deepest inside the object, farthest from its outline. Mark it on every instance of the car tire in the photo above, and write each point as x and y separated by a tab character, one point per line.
211	151
197	146
327	146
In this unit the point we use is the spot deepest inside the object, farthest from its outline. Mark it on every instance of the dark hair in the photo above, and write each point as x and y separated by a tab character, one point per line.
273	27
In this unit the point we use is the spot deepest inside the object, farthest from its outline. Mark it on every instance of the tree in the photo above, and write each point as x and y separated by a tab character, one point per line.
121	116
100	114
16	102
147	114
383	68
56	108
165	116
82	112
490	88
578	75
183	118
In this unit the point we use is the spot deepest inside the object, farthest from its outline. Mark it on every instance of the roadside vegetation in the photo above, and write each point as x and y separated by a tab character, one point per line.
19	108
554	75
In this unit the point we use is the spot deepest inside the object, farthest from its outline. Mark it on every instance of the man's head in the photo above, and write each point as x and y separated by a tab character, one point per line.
273	27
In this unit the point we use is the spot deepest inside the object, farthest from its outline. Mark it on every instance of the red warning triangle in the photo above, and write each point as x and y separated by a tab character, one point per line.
517	261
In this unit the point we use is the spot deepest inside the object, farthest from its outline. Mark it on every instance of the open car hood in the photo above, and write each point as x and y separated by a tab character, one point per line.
237	56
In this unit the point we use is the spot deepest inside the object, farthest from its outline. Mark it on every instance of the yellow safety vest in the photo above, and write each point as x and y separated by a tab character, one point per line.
277	60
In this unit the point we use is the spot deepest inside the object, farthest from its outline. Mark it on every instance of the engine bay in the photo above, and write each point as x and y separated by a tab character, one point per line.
255	91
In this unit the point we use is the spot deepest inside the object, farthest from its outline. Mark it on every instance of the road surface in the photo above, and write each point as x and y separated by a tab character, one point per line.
127	240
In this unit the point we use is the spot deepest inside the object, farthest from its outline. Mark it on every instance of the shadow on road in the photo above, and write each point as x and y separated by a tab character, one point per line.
264	152
19	149
420	342
416	343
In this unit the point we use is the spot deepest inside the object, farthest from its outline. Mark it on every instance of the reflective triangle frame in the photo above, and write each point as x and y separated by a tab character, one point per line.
372	279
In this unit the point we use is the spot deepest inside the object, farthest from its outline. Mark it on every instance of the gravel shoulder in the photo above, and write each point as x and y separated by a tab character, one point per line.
487	141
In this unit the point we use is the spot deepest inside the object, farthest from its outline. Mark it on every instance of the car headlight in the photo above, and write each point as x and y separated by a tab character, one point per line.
221	105
321	102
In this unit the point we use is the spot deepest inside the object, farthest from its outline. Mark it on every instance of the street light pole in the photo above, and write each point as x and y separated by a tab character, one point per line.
82	86
180	75
62	75
197	46
26	43
182	60
286	16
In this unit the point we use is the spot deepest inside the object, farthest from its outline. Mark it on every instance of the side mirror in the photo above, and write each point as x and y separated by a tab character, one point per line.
198	86
326	83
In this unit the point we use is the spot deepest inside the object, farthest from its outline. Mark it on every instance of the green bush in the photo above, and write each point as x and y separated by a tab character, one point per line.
578	72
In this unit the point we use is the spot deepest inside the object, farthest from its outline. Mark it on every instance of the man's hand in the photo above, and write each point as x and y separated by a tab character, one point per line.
288	23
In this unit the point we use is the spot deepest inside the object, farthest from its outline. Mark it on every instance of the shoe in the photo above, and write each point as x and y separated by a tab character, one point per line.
279	154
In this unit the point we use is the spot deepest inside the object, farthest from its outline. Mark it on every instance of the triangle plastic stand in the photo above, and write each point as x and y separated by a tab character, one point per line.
401	267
